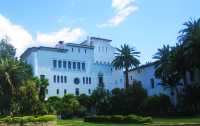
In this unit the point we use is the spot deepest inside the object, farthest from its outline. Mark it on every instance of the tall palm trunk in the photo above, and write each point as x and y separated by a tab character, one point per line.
126	78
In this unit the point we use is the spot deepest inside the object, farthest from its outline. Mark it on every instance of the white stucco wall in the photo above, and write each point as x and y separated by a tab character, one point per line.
42	64
145	74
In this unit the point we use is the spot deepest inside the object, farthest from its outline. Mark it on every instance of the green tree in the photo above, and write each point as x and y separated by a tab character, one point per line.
28	98
156	105
117	101
6	49
12	73
134	97
191	98
190	37
166	69
100	101
126	57
54	105
70	106
42	85
85	101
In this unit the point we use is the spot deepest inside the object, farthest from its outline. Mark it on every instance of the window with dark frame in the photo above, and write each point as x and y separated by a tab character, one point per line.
77	91
59	64
69	64
54	78
78	65
83	66
65	91
65	79
54	63
83	80
61	79
57	91
152	83
42	76
74	65
86	80
64	64
89	80
58	79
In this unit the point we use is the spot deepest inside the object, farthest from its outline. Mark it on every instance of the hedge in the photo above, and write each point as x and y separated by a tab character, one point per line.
26	119
118	119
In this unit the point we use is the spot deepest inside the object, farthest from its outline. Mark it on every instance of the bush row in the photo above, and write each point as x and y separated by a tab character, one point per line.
118	119
26	119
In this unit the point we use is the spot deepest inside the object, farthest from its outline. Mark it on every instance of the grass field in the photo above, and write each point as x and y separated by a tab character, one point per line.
80	122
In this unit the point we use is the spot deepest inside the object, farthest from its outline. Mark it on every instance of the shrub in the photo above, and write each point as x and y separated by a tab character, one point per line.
46	118
26	119
118	119
156	105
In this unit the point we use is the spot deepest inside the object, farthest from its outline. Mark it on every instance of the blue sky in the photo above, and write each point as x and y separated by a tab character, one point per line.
144	24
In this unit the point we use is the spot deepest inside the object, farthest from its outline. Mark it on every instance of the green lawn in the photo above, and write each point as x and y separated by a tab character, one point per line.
80	122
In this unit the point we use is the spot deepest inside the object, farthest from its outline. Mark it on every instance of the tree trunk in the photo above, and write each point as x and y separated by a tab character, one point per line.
184	78
126	78
177	97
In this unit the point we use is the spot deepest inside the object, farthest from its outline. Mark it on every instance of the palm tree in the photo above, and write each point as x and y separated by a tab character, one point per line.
126	57
165	69
190	37
12	74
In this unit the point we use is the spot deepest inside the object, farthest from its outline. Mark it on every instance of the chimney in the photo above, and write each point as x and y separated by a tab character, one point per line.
60	42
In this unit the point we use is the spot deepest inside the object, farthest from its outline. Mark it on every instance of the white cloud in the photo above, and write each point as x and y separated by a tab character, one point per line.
18	36
21	39
65	34
123	8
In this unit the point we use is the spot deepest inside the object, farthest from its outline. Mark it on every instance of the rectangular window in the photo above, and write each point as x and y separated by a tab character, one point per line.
72	49
65	79
79	50
42	76
61	79
83	66
85	51
69	64
89	91
57	91
54	63
79	65
59	64
74	65
77	91
152	83
89	80
86	80
64	64
58	79
54	78
83	80
65	91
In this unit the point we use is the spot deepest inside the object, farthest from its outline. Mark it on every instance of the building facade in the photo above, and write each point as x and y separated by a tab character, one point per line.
153	85
75	68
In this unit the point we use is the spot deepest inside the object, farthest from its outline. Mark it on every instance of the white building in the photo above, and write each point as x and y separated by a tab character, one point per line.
153	86
145	74
75	68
